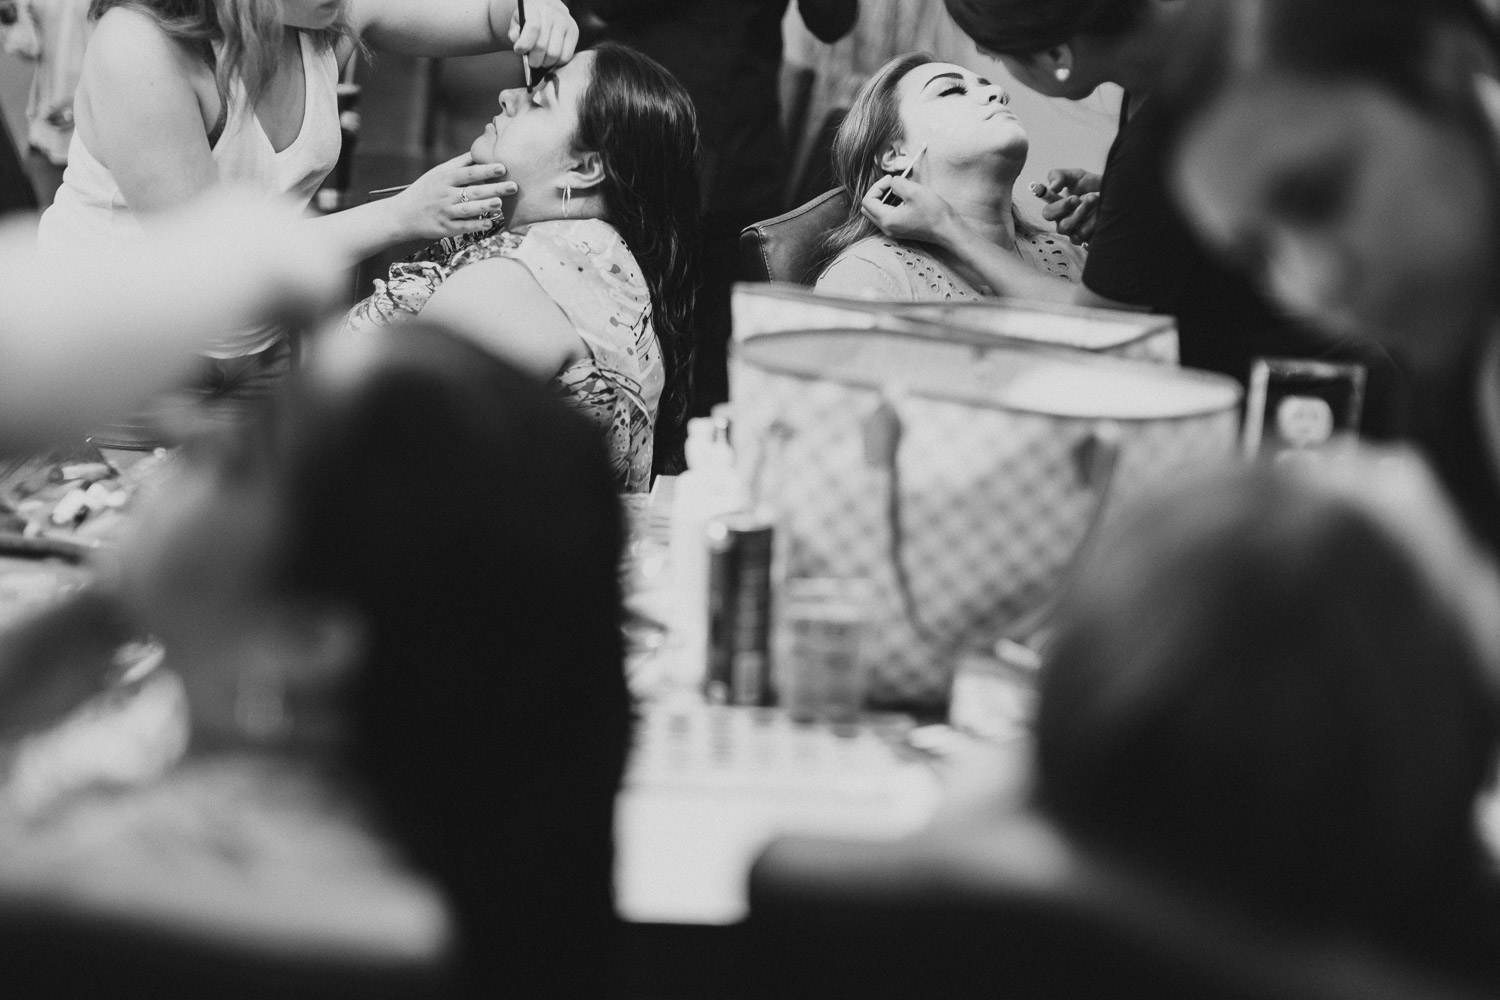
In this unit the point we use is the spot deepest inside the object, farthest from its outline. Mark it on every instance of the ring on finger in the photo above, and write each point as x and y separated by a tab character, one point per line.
463	195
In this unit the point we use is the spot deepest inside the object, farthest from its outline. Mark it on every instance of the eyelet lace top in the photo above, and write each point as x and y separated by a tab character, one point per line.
879	267
585	267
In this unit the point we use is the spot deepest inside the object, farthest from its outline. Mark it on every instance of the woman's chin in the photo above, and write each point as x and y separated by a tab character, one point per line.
482	149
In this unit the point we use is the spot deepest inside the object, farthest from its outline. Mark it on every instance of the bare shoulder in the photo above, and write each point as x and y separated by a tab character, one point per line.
129	44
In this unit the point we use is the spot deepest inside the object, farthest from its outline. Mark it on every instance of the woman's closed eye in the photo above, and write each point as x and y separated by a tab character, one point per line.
539	88
956	88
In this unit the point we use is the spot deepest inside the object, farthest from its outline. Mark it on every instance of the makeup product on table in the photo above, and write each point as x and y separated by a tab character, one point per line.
739	609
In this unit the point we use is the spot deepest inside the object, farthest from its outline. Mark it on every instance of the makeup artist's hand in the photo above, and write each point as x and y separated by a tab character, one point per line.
1072	199
455	197
922	215
550	35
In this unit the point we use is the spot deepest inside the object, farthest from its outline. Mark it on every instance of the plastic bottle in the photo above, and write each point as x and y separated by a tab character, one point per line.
710	488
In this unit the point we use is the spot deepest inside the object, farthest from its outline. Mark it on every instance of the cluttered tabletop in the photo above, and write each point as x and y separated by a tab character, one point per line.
709	784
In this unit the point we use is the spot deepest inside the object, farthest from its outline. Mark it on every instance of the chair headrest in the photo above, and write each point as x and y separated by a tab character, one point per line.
790	246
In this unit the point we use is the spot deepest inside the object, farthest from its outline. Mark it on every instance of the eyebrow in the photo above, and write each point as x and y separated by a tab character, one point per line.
942	76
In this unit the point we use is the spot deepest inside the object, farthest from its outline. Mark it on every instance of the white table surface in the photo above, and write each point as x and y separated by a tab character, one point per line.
709	788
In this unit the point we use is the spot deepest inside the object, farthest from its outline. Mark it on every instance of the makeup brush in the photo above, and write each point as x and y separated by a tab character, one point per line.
890	197
525	63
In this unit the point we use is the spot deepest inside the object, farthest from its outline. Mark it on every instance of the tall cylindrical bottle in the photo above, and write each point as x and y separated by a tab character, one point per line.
709	489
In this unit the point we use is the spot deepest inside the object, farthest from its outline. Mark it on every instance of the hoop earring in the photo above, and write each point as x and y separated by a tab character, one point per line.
567	199
1062	73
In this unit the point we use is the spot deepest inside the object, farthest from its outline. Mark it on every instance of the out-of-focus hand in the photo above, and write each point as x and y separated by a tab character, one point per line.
287	273
455	197
920	215
550	36
1072	199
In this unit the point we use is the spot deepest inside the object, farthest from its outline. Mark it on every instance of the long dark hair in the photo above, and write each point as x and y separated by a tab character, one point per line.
642	123
490	716
1259	688
873	123
1025	27
250	31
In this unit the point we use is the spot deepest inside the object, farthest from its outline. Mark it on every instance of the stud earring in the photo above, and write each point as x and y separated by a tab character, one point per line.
1062	73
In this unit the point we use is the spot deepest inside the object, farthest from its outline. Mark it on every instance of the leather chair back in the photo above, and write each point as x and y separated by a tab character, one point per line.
789	248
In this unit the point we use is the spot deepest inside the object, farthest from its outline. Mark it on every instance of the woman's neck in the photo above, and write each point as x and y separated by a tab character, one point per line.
522	214
982	197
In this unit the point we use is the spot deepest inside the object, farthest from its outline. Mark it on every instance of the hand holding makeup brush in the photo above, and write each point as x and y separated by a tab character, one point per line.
541	32
1071	196
919	214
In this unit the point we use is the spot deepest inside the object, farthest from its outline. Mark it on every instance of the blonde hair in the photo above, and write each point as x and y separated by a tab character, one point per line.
873	123
248	32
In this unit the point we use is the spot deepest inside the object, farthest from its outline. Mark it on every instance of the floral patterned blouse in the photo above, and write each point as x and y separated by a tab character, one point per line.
584	266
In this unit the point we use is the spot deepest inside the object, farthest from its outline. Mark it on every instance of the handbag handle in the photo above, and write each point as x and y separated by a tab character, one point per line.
1097	458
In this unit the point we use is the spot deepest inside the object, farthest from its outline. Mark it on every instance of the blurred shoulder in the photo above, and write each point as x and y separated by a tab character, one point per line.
876	267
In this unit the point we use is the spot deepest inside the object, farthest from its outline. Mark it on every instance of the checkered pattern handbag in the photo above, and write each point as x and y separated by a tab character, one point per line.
960	479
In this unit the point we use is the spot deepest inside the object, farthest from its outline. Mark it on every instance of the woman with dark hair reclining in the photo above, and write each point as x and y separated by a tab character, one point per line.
588	280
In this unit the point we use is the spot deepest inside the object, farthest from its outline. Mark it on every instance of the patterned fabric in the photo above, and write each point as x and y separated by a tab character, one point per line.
585	267
990	495
882	268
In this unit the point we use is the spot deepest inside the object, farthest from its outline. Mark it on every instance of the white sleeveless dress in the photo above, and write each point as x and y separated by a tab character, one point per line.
90	208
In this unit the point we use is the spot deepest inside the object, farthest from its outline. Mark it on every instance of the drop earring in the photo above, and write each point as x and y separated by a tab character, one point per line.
567	199
1062	73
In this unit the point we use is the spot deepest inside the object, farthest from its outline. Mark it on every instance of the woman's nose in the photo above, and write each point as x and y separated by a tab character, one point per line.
994	93
510	101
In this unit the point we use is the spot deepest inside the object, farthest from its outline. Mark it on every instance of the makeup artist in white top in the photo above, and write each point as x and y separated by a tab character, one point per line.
953	132
176	96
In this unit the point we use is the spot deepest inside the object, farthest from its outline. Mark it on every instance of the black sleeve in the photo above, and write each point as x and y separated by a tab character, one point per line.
1136	255
828	20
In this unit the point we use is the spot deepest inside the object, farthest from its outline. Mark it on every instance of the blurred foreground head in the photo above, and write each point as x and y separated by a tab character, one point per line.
1278	686
1346	151
424	542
